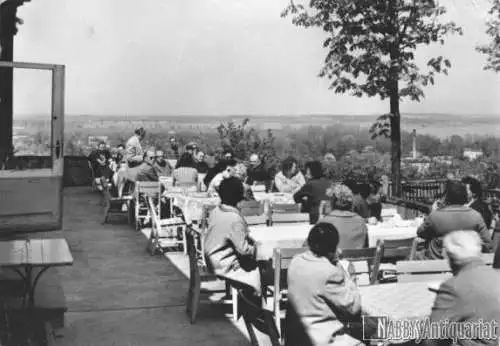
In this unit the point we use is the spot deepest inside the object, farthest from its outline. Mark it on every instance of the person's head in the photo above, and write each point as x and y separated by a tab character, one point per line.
140	133
120	147
199	156
461	247
240	171
289	166
149	156
228	168
473	186
191	148
254	160
456	193
102	145
227	154
375	187
314	170
231	191
186	160
323	240
341	197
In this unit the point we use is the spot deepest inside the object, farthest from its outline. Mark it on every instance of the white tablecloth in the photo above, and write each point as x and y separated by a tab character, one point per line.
295	234
285	235
400	229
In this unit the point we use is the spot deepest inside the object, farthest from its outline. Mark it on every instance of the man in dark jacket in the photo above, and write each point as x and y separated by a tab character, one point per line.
258	173
314	191
454	217
475	194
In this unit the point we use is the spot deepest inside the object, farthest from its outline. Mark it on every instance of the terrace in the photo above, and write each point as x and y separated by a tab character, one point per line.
117	294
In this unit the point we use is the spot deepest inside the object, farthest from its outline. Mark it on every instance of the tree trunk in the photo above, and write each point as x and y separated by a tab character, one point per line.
395	118
395	144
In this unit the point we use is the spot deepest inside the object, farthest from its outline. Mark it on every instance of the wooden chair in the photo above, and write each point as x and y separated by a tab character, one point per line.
283	213
281	262
258	318
143	190
400	249
114	205
198	274
370	258
254	212
164	232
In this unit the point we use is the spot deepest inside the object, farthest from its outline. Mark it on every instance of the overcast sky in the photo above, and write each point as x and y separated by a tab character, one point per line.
161	57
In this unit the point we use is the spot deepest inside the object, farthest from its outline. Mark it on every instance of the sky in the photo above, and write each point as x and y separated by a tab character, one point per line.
217	57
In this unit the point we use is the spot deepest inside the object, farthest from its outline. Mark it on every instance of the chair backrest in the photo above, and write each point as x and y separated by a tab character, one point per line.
399	249
258	318
254	212
148	188
371	258
251	208
283	213
428	270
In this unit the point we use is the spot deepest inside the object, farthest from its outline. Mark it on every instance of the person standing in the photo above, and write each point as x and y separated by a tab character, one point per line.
134	153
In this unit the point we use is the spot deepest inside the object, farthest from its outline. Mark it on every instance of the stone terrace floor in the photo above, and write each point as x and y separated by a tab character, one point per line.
117	294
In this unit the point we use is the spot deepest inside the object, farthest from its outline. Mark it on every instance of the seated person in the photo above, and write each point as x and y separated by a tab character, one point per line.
240	172
314	191
474	196
229	170
290	179
147	171
258	173
219	167
321	292
185	175
360	203
471	295
453	217
352	228
99	160
162	166
230	251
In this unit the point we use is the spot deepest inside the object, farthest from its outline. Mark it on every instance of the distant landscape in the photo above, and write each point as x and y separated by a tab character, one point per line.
439	125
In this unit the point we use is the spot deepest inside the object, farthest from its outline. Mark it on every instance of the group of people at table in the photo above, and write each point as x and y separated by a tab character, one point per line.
321	292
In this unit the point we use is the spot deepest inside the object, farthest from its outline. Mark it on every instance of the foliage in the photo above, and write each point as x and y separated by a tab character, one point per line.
371	46
492	49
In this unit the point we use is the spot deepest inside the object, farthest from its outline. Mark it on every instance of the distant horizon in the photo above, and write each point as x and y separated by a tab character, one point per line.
485	115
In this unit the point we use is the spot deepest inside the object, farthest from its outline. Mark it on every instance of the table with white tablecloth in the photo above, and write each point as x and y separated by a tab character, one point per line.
295	234
392	230
284	235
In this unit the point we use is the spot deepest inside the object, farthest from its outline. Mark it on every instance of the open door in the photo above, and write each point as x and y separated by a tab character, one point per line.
31	183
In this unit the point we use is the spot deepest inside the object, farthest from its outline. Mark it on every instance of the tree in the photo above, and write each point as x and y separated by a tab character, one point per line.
371	47
492	50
